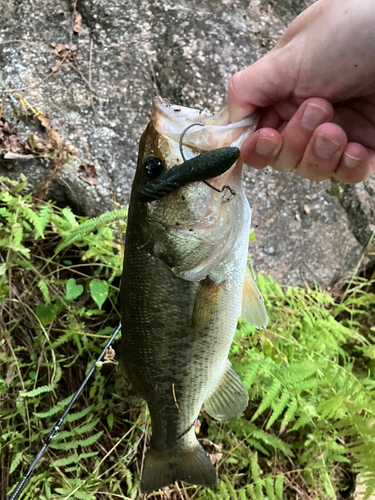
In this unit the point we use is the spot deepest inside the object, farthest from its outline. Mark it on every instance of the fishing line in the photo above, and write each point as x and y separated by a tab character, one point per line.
225	187
56	429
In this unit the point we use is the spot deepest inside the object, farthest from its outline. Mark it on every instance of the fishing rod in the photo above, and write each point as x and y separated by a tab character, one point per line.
56	429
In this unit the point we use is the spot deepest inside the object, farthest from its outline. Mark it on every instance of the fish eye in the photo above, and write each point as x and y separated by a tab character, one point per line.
153	167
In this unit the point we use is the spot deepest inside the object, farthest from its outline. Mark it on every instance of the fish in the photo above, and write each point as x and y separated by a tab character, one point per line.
183	287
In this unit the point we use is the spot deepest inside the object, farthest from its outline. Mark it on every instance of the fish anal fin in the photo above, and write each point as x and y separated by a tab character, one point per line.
165	467
253	309
229	398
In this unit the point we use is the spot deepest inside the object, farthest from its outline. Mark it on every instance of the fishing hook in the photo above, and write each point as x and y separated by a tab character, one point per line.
226	186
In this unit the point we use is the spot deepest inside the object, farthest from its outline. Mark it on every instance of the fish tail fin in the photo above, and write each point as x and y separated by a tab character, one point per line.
165	467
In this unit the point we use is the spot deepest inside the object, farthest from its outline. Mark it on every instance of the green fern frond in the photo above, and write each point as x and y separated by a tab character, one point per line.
89	226
32	217
36	391
72	417
15	462
44	289
72	459
45	216
278	407
54	409
254	467
279	486
272	394
273	441
290	412
69	216
74	443
77	431
269	487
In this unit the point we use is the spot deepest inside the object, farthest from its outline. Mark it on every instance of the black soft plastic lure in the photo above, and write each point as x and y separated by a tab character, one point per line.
205	166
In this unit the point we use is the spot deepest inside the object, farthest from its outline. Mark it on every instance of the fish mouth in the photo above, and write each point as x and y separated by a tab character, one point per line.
215	131
205	166
177	198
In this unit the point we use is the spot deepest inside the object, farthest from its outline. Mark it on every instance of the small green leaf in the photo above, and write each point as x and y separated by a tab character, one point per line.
73	291
31	141
110	421
99	291
48	312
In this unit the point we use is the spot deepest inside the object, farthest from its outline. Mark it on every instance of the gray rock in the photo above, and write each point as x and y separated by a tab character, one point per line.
127	52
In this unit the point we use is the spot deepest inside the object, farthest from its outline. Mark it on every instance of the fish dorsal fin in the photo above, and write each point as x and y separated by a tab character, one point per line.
229	398
253	309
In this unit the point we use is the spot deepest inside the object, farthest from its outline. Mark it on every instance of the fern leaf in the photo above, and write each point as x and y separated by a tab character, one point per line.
254	467
78	431
250	492
298	372
32	217
45	216
60	341
75	443
259	489
279	486
72	417
44	289
278	407
55	409
272	394
225	490
289	414
37	391
72	459
69	216
242	494
254	443
15	462
89	226
249	376
303	420
329	407
273	441
268	484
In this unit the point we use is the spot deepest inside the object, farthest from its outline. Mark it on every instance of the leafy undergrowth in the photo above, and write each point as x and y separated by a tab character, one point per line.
309	428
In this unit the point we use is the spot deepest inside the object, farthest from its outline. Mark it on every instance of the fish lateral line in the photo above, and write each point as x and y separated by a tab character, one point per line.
204	166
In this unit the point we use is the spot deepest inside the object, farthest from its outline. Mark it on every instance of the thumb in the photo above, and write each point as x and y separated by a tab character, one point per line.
262	84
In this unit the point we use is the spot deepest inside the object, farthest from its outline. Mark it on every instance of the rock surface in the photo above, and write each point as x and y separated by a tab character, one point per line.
98	99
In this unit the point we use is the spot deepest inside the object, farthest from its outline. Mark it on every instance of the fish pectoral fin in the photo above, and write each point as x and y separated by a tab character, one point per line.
206	303
229	398
253	309
166	467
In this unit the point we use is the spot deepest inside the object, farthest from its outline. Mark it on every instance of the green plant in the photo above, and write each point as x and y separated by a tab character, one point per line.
309	375
310	422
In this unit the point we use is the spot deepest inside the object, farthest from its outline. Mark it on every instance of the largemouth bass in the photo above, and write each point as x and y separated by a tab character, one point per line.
183	284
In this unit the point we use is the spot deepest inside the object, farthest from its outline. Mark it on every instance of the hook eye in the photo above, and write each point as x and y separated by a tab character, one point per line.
226	187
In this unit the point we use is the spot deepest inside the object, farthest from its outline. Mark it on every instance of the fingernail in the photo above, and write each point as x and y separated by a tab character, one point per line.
313	116
350	161
325	147
265	146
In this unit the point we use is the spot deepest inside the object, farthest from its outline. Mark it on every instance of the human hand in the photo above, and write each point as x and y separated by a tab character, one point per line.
317	91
